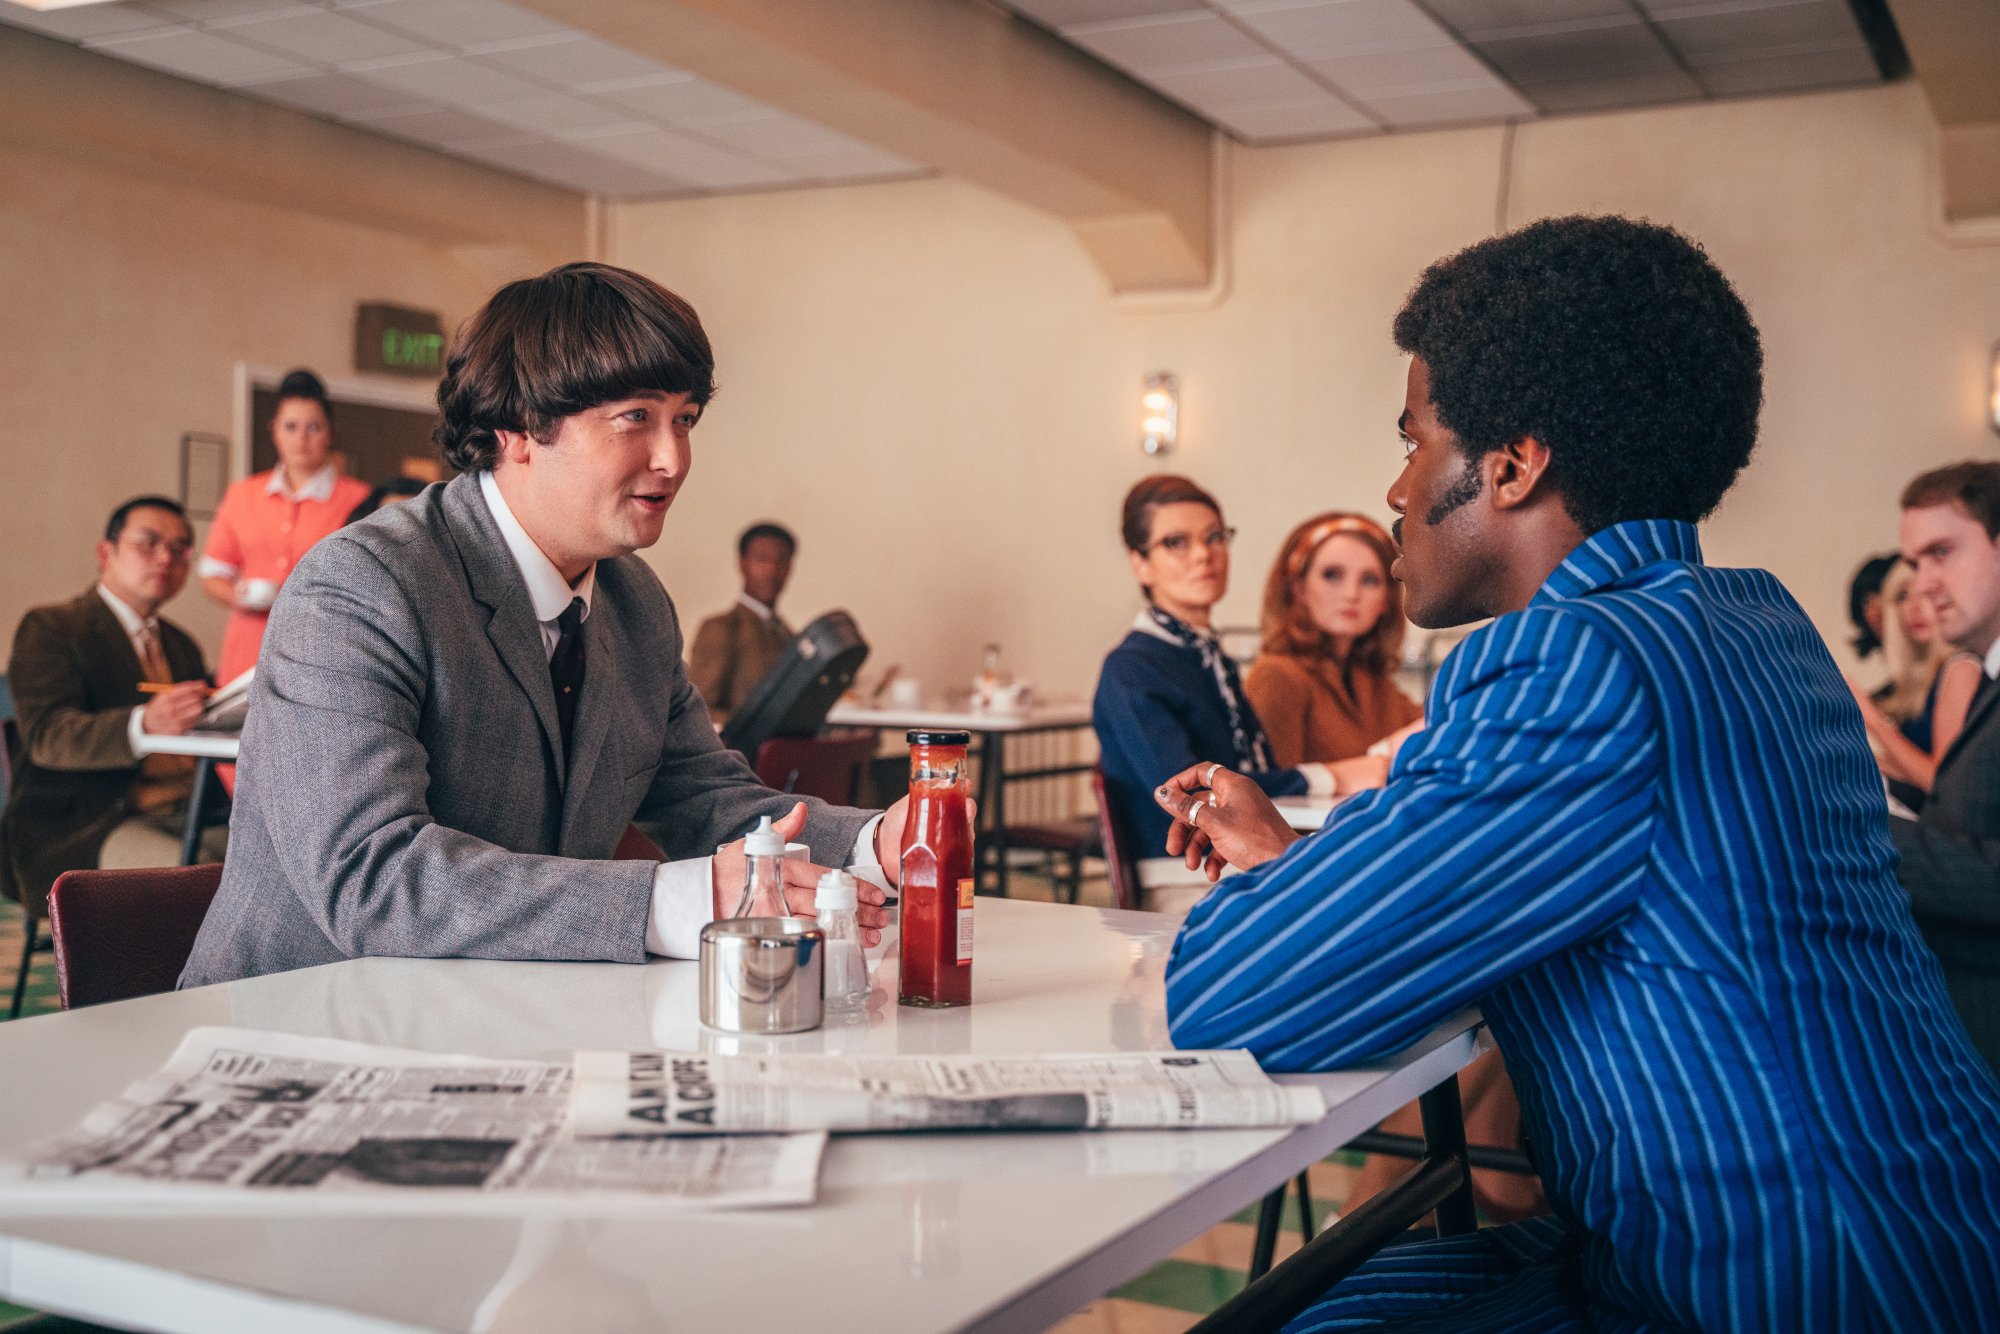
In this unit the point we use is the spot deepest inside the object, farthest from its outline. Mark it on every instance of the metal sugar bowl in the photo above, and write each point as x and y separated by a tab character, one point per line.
762	975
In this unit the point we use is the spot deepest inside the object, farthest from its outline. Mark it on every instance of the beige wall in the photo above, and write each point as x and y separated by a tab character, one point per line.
933	387
128	297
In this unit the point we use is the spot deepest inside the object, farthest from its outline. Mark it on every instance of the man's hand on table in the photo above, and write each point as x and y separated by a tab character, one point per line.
1221	819
174	712
801	881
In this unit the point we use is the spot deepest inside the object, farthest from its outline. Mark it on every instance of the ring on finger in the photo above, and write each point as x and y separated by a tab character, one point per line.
1208	779
1194	814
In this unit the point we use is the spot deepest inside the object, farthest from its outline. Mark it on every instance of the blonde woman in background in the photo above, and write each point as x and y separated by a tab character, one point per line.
1920	710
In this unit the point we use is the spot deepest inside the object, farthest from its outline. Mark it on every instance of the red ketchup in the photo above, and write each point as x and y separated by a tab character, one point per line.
937	874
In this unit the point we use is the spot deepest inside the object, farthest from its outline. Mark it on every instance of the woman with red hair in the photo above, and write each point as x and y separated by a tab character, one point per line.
1332	638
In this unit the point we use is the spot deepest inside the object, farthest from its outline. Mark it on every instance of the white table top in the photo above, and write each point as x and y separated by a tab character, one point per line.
205	745
911	1233
1050	714
1306	813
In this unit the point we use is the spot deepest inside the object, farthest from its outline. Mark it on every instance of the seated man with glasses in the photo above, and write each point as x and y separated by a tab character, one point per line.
1168	695
83	796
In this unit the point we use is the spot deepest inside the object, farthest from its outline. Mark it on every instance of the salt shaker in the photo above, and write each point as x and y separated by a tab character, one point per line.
764	877
846	968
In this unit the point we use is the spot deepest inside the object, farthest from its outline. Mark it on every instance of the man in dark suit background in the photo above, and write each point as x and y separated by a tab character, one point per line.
732	651
75	674
1951	856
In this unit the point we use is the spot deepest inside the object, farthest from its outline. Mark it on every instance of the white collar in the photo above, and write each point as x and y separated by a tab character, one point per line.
1993	659
127	616
1146	625
319	486
548	592
764	613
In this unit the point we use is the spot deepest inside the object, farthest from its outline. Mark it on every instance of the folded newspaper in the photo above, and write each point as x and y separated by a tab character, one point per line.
270	1121
652	1093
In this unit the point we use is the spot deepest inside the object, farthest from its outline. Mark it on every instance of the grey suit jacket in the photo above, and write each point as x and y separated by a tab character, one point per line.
403	788
1951	868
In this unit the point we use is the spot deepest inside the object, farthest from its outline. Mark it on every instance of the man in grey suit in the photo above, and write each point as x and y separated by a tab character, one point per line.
1951	857
463	701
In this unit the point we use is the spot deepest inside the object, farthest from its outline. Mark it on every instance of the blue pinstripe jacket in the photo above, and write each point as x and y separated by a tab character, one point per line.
1644	834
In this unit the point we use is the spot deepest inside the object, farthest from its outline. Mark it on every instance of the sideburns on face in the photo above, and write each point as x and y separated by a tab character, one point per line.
1462	492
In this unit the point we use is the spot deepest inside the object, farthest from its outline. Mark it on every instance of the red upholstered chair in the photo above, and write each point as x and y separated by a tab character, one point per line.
1117	844
121	934
828	766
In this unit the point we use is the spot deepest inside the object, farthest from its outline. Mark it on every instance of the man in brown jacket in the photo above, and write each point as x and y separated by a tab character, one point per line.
75	675
732	651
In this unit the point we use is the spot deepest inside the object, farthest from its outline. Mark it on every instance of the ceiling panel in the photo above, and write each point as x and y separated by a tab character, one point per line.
1460	106
1063	13
450	79
1324	29
1812	26
206	56
858	162
222	11
1629	90
702	165
458	23
1417	69
440	127
1789	73
318	37
1263	78
1477	15
1315	117
677	99
1146	44
550	113
1607	49
337	95
574	62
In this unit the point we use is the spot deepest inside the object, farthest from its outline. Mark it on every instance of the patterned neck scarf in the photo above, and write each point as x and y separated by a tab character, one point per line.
1253	748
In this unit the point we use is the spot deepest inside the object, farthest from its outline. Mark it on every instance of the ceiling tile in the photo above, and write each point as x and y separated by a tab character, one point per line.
1294	118
322	38
204	56
1316	29
679	98
460	23
336	95
218	11
449	79
572	62
567	165
1147	44
1627	90
1464	106
1477	15
1225	83
551	113
441	126
860	162
1701	37
1600	52
1789	73
85	23
1415	69
771	135
1064	13
689	159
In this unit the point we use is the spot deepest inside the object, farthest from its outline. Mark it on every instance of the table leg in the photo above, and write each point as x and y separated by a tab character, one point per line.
204	774
1444	1137
995	745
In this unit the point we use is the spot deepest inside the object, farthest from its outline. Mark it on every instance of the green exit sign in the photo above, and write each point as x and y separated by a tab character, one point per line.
395	341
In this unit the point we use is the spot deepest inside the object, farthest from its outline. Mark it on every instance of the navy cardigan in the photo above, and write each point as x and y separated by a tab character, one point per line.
1157	712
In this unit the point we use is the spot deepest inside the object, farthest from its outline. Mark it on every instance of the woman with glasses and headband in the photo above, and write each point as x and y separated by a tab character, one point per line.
1332	635
1168	697
266	521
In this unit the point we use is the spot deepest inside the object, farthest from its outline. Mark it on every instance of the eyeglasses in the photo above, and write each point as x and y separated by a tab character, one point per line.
150	545
1178	544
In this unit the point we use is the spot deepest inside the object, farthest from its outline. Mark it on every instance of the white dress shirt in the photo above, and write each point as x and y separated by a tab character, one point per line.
683	891
1993	658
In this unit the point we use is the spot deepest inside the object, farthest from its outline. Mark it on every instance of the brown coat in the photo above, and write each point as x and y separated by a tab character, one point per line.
731	653
75	678
1311	715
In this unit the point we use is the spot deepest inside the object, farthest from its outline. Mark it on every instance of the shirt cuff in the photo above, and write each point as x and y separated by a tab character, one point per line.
862	862
683	903
135	731
211	568
1319	779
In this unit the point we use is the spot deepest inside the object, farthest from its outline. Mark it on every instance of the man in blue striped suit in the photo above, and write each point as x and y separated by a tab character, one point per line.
1642	832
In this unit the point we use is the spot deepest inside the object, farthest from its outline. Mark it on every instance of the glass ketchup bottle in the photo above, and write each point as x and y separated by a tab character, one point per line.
937	874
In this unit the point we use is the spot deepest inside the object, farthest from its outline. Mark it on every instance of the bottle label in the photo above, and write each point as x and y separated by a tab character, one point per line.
965	921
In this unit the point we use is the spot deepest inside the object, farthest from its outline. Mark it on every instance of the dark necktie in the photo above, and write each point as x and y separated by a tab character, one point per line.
566	666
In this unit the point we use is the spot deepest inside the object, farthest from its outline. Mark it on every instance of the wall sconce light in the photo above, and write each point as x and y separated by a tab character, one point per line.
1993	390
1160	412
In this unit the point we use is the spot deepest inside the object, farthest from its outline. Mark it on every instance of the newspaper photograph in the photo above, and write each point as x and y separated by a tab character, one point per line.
654	1093
264	1119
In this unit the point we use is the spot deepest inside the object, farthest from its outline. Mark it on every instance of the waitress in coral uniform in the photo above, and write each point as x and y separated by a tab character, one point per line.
267	520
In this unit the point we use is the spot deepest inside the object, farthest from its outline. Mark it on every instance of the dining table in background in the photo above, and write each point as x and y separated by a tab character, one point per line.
208	750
